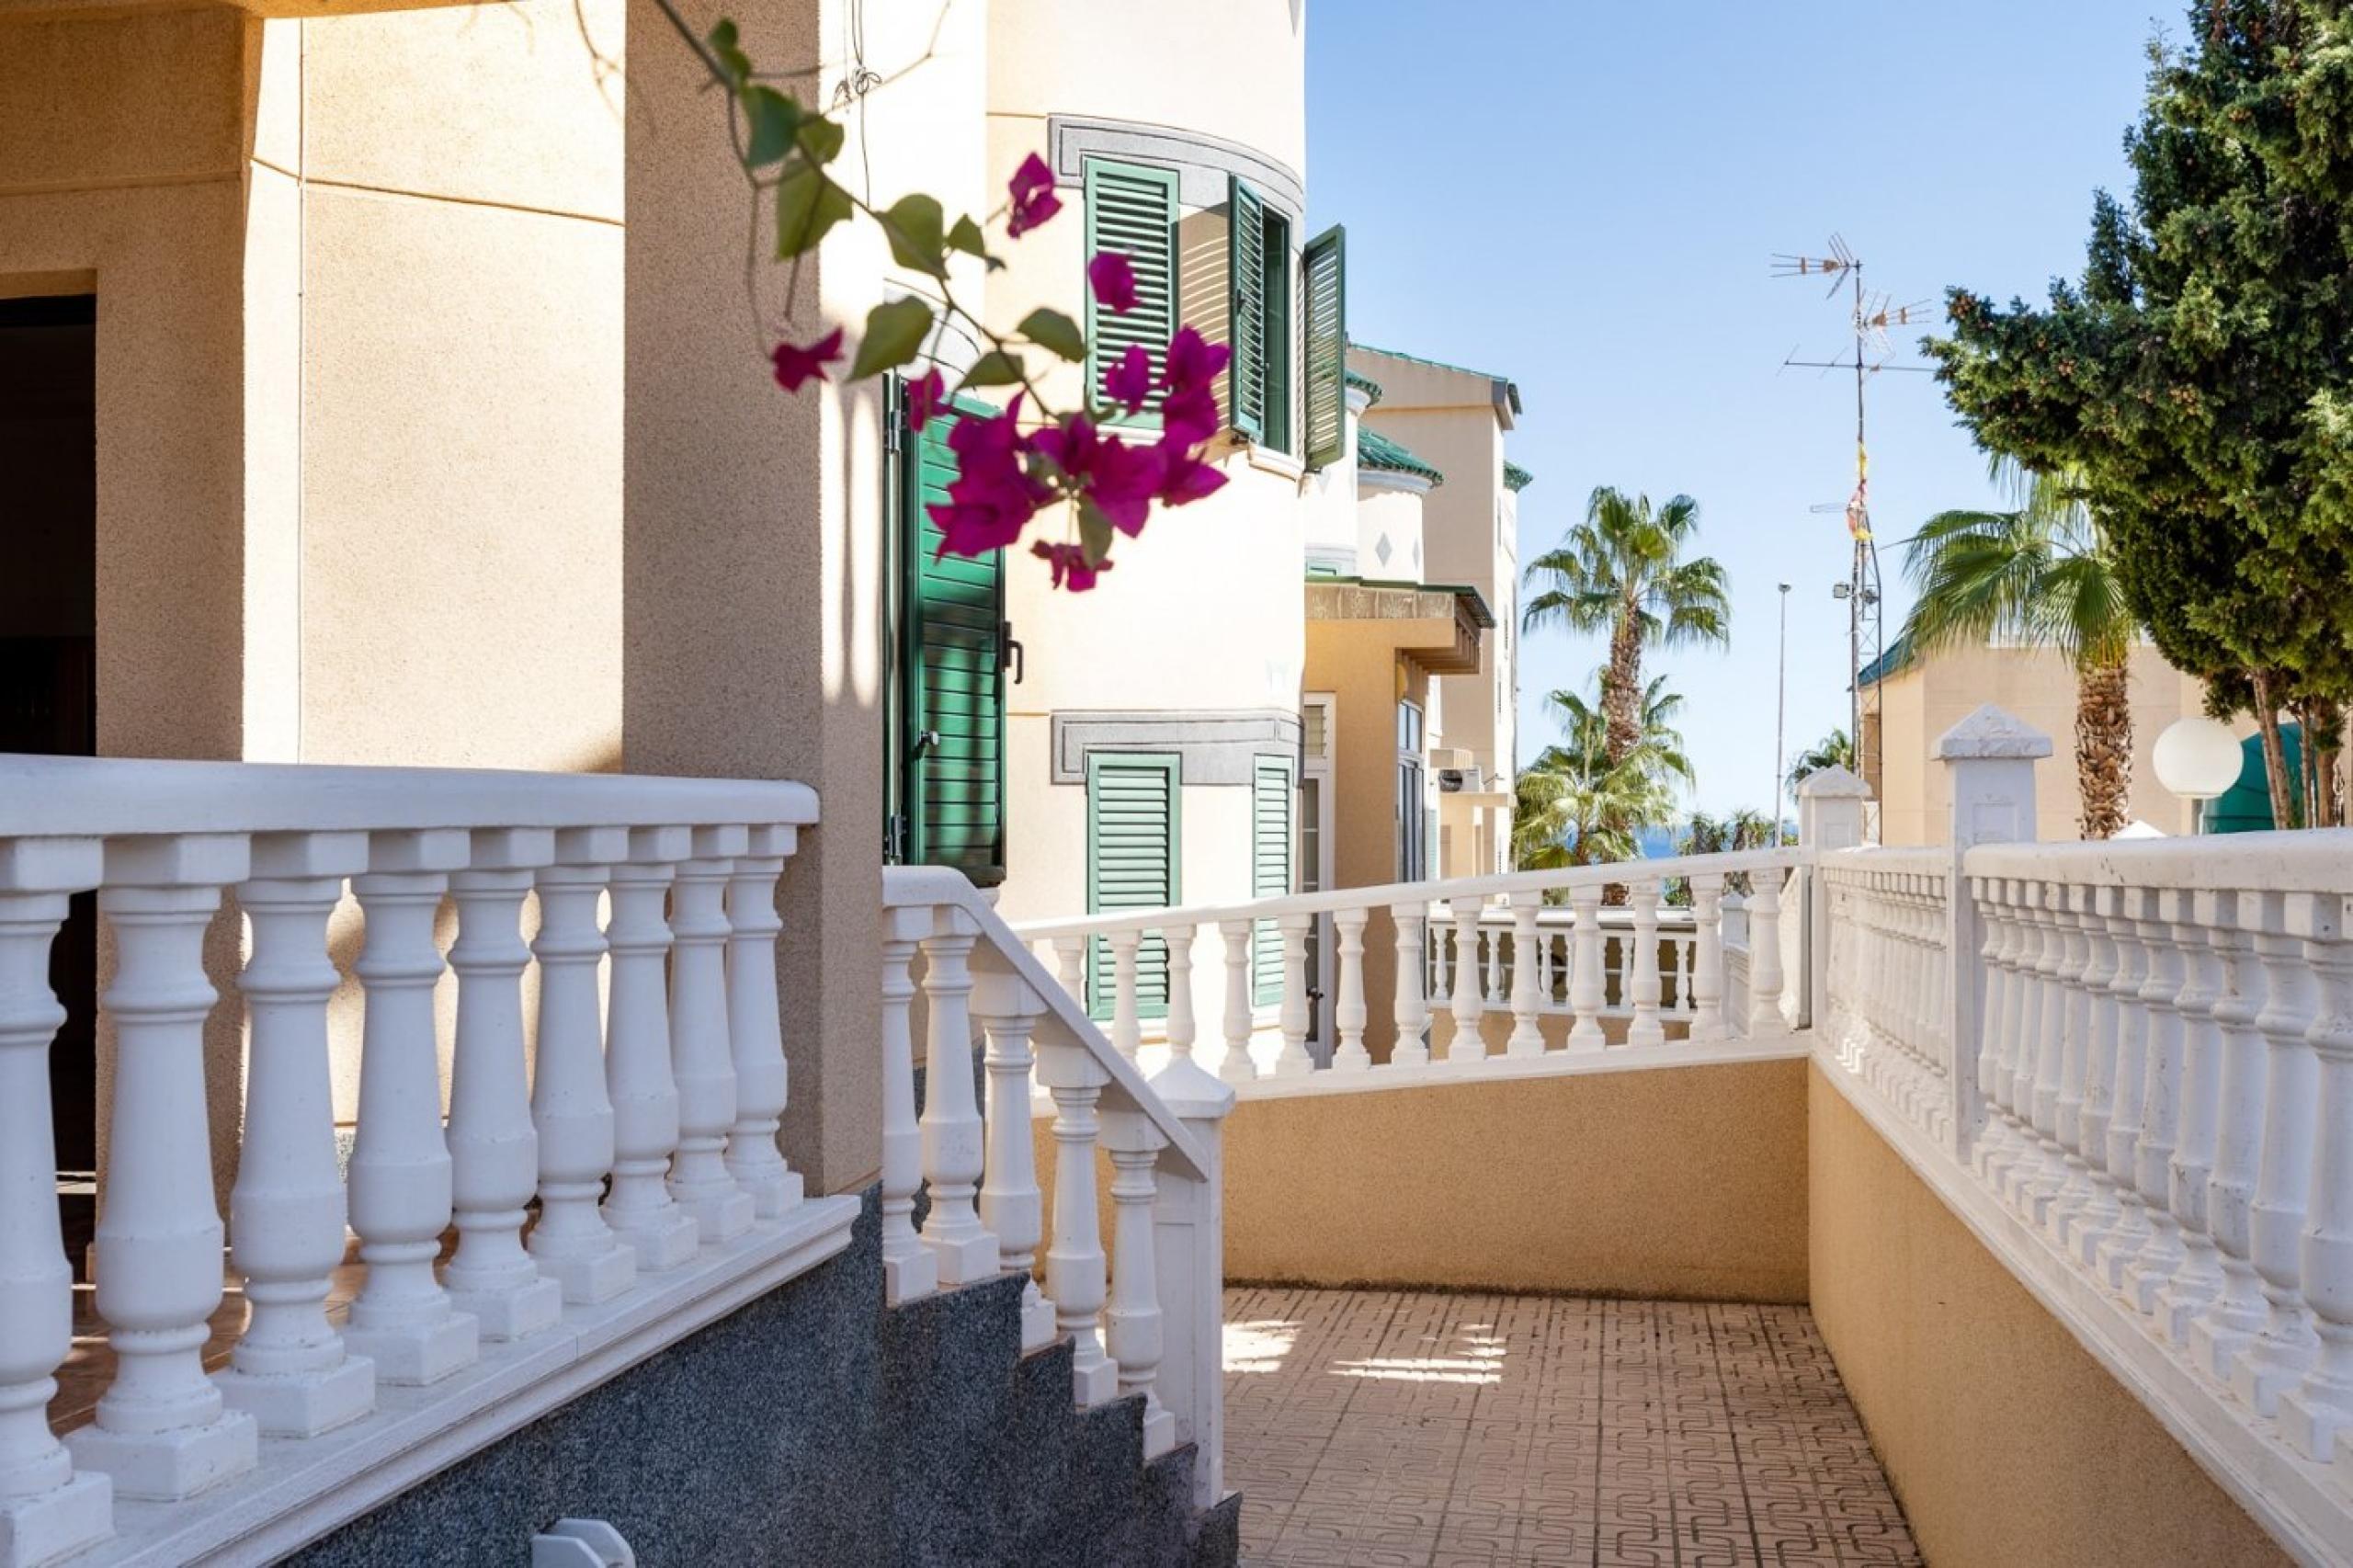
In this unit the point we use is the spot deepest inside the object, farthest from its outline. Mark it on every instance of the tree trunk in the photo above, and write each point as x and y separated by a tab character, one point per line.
2275	755
2103	749
1621	689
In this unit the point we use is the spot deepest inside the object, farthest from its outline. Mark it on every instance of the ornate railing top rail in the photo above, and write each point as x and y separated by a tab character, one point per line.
1064	1022
2316	860
1929	859
65	797
1504	884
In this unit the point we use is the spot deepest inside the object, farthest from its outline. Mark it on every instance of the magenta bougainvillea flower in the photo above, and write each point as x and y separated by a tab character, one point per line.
795	364
1032	190
994	494
926	399
1193	361
1113	280
1129	382
1118	479
1188	417
1071	569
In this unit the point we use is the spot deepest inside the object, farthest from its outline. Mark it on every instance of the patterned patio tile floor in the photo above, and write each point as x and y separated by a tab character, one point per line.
1367	1429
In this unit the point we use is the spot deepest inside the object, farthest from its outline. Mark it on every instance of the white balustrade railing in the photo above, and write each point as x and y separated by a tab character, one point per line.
1528	948
2157	1093
676	1105
1145	1312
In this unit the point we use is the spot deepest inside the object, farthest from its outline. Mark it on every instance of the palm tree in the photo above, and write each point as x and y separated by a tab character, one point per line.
1587	728
1577	807
2040	575
1836	749
1621	571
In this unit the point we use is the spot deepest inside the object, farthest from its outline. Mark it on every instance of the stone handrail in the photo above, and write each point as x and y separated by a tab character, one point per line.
1432	926
649	1141
1144	1316
2129	1067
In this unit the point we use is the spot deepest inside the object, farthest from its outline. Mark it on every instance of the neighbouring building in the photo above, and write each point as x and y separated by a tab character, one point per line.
1921	697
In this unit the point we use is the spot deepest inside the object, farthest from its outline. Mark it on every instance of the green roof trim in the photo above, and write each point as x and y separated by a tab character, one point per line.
1375	451
1516	477
1510	388
1894	662
1365	384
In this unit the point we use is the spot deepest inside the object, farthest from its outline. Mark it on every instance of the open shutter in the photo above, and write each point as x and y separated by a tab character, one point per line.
1131	208
1132	849
1271	794
1323	265
1245	261
955	692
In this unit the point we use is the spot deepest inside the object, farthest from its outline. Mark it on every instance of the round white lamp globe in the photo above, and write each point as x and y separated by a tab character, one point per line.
2196	757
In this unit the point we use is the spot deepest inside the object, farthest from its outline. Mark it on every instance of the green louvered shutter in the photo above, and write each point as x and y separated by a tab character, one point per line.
954	696
1271	794
1132	849
1131	208
1245	261
1323	266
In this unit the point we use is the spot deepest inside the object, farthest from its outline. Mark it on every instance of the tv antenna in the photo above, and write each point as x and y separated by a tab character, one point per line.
1874	319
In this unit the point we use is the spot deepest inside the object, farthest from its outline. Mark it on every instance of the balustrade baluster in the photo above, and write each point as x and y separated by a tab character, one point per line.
1070	956
1132	1321
2040	1182
286	1214
2030	986
2230	1323
1991	1139
2080	1233
569	1105
1468	1045
1527	1037
1293	1059
401	1181
2133	966
638	1080
1707	970
908	1269
1011	1205
1127	1014
1348	1008
1645	989
2153	1265
1588	990
2197	1278
702	1059
493	1147
1237	1067
1496	996
47	1510
1441	978
755	1023
951	1120
1074	1262
2278	1358
1412	1013
2317	1414
1765	953
2081	974
1179	1026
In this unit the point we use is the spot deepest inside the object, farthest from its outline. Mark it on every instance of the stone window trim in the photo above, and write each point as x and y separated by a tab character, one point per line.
1215	746
1202	163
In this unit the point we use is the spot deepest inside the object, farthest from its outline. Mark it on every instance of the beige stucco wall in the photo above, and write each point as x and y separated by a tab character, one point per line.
1934	694
1676	1182
1201	613
1470	529
2005	1441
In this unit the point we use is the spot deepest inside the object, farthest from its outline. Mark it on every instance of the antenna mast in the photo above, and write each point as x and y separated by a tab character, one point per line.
1873	316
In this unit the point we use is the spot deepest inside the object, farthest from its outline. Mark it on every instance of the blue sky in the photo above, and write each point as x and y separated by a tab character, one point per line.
1584	198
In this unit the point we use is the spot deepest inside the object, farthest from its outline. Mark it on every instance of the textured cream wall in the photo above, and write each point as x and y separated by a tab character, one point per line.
1676	1182
2005	1441
2035	684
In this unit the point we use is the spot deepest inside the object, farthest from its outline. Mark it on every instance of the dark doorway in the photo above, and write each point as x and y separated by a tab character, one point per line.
49	623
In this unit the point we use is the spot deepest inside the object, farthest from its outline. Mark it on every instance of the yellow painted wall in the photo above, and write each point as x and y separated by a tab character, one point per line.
1676	1182
1934	694
2006	1442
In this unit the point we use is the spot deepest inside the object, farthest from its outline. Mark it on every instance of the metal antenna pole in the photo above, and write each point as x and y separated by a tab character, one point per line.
1780	713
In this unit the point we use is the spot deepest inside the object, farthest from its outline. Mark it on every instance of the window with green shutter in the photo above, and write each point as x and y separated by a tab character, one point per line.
1131	208
1324	273
1258	325
1133	805
953	639
1272	790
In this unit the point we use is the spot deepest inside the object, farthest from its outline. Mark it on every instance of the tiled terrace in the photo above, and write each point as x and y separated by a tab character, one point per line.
1370	1429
